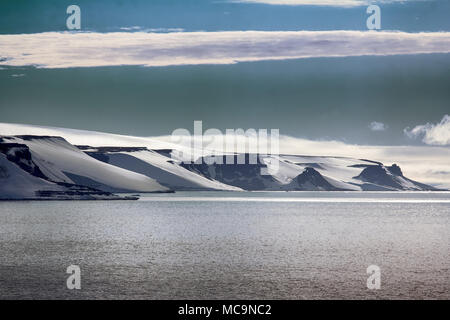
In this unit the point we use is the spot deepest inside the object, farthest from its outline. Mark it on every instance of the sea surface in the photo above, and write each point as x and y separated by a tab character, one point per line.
229	245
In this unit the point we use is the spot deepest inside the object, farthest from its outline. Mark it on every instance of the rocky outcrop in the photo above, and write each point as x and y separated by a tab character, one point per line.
239	172
311	180
390	178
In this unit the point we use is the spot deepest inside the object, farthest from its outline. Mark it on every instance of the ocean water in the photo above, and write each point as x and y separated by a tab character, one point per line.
229	245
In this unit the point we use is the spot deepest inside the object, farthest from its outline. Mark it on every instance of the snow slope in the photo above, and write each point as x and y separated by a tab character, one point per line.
164	169
60	161
18	184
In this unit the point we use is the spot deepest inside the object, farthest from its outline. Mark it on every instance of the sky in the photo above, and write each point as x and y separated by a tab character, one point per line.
308	68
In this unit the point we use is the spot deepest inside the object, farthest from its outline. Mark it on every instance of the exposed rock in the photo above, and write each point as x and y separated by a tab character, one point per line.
312	180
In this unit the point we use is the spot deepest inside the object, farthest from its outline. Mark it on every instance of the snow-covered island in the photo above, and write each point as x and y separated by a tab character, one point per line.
50	168
42	167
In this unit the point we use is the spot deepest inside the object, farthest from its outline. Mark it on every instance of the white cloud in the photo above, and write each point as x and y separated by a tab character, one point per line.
131	28
426	164
161	30
377	126
432	134
333	3
79	49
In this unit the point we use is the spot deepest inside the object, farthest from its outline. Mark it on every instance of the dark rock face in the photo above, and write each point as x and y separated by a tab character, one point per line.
379	175
31	137
313	177
20	154
112	149
246	176
310	180
101	153
391	177
395	170
84	147
72	190
99	156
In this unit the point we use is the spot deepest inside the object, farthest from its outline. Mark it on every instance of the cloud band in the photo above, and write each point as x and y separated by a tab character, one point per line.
67	49
332	3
